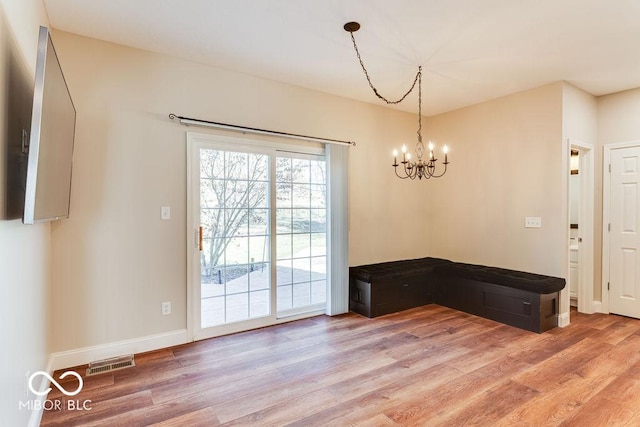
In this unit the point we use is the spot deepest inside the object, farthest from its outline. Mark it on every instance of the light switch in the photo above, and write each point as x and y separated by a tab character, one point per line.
533	222
165	212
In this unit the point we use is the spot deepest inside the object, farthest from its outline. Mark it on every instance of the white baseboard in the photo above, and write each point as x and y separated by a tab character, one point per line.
597	307
563	320
82	356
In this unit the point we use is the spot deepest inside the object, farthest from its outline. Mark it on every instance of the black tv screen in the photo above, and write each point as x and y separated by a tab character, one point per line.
53	120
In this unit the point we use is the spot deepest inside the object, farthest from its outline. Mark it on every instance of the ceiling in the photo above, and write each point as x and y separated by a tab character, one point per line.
470	50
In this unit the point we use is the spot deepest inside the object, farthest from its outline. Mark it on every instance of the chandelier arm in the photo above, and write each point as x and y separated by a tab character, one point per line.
443	172
400	176
411	172
375	91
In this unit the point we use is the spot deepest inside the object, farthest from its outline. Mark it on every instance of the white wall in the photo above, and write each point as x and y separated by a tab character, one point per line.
580	122
617	122
114	260
618	117
25	268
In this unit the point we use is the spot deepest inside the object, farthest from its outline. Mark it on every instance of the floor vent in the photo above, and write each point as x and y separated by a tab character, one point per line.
113	364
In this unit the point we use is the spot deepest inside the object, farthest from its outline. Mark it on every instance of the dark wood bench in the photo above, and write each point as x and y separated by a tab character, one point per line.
388	287
525	300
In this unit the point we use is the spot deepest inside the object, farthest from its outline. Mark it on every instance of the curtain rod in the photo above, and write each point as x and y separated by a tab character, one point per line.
205	123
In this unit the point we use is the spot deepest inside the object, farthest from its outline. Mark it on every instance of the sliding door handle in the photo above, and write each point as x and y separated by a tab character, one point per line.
200	238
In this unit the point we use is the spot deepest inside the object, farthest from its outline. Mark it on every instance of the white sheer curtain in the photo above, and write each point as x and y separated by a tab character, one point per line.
337	157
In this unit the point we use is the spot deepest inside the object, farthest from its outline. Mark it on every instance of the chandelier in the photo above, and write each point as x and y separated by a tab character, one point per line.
420	167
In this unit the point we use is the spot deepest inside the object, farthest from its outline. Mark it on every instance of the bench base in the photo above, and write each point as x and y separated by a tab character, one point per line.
523	309
387	296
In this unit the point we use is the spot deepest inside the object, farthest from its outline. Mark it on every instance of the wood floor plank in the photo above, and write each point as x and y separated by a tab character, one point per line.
542	376
570	392
427	366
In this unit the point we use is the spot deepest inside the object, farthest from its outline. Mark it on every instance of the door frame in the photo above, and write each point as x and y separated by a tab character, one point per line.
586	224
224	142
606	216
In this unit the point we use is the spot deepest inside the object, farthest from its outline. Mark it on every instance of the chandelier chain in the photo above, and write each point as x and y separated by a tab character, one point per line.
409	169
366	74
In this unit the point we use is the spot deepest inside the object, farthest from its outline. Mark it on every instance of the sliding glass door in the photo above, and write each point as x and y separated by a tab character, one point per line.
301	233
260	244
234	216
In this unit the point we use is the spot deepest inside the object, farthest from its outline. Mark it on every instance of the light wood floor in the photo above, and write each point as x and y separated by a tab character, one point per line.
426	366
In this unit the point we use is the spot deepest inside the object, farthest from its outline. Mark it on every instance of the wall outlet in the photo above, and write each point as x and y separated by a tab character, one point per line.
533	222
165	212
166	308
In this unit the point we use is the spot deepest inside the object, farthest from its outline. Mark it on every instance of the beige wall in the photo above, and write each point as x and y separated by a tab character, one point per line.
114	260
25	268
506	165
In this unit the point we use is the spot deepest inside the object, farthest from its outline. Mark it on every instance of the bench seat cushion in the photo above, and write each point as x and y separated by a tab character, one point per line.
395	269
514	279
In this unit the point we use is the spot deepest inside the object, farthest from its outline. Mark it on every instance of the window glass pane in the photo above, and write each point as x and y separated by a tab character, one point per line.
237	307
258	222
236	222
284	272
259	303
301	294
319	220
211	164
318	292
301	245
258	194
301	270
318	196
258	167
258	249
318	268
283	245
259	276
283	221
236	194
318	244
284	297
236	165
212	311
283	169
318	172
301	220
211	193
210	219
301	195
237	251
300	171
283	195
237	277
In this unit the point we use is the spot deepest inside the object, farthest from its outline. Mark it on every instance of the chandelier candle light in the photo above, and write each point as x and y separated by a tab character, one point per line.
420	168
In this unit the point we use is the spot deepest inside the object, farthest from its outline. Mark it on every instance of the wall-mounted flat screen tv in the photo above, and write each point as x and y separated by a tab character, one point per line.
53	121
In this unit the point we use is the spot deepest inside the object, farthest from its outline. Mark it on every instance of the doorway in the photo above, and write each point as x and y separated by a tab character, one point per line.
258	218
580	233
621	253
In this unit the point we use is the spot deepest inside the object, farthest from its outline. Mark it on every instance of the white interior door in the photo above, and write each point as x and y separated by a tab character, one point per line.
624	237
